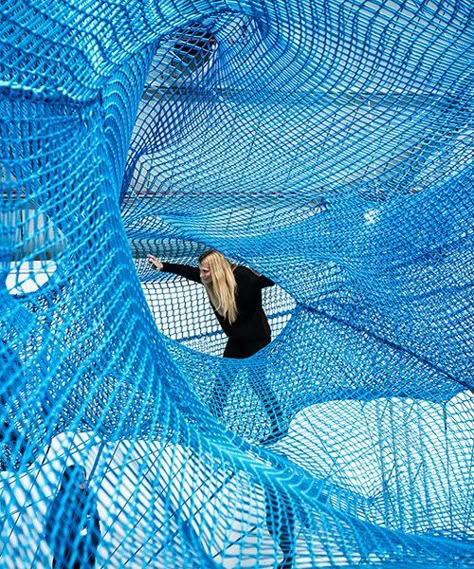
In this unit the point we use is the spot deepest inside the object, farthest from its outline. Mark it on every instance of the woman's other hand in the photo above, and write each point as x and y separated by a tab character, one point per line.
155	262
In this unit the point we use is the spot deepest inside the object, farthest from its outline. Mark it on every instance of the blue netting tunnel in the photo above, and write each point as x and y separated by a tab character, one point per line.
325	145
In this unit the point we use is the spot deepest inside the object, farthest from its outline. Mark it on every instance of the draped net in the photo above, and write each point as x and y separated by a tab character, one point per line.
326	144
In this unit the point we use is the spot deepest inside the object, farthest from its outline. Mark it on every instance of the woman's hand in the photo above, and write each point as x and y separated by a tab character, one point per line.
155	262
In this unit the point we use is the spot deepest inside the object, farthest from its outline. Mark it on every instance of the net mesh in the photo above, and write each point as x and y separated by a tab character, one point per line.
326	144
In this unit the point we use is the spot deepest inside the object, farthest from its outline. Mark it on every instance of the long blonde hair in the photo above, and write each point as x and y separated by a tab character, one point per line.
222	289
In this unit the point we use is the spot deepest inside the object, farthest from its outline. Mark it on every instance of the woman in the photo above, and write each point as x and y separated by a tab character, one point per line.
73	523
235	294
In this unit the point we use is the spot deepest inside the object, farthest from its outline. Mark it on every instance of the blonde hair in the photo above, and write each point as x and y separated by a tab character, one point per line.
222	289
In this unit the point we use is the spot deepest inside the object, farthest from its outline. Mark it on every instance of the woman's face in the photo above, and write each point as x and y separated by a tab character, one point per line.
82	480
205	273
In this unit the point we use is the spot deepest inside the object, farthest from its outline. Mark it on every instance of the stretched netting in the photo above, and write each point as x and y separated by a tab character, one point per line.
326	144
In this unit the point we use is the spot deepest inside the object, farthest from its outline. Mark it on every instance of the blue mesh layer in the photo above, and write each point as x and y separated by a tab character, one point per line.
326	144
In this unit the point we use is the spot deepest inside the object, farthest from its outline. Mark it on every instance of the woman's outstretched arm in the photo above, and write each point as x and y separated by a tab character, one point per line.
186	271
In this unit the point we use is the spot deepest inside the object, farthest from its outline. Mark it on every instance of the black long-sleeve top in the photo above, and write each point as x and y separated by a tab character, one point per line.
251	324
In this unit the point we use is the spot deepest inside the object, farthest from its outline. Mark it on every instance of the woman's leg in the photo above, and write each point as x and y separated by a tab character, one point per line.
267	396
223	383
272	408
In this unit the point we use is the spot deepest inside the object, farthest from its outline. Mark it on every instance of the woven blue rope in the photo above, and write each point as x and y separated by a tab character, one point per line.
326	145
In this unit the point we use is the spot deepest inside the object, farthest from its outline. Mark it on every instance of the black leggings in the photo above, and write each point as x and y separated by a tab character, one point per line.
241	350
280	517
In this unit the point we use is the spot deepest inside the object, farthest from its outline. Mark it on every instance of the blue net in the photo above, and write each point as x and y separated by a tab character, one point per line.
323	144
